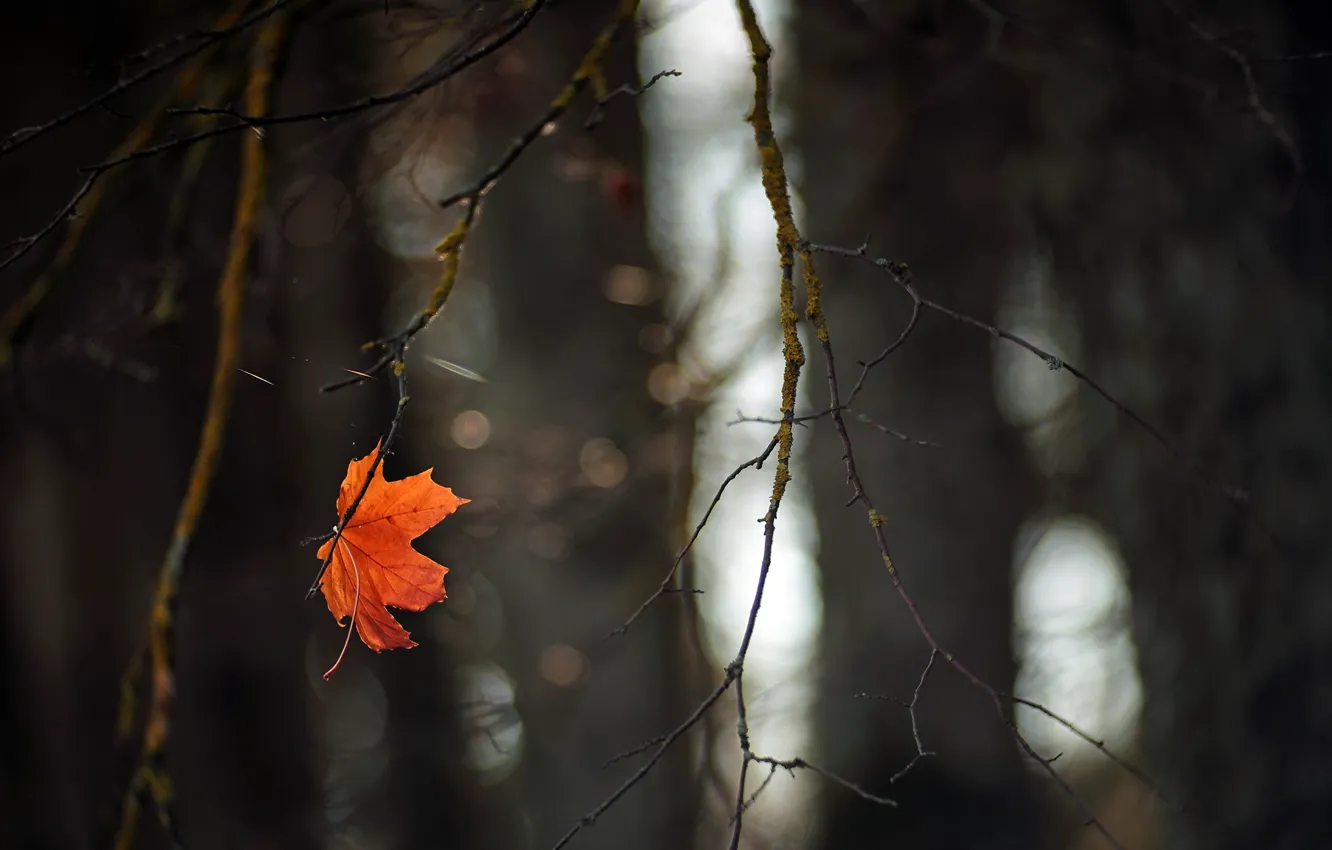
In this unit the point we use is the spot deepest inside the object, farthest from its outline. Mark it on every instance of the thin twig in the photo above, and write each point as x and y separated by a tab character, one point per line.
910	706
1125	765
895	271
1260	110
753	798
664	587
639	775
226	26
800	764
740	418
598	113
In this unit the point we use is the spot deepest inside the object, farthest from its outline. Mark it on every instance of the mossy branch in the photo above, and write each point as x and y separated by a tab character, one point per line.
772	167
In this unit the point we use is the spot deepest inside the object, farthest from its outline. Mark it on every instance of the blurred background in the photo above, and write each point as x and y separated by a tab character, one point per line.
1139	187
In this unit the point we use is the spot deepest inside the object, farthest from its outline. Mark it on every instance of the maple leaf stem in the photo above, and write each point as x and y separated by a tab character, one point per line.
400	373
356	604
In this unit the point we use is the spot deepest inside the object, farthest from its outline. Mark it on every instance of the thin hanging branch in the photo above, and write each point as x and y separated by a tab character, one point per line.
150	775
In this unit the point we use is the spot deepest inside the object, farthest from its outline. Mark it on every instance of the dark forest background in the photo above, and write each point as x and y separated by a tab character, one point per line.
1164	170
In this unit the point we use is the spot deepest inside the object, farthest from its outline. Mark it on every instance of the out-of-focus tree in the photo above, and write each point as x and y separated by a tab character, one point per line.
573	483
901	124
1170	162
104	399
1180	178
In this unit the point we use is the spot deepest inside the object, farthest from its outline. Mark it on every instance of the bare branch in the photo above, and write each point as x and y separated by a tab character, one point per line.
899	274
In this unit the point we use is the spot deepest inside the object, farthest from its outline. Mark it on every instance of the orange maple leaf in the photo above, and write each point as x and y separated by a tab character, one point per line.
375	565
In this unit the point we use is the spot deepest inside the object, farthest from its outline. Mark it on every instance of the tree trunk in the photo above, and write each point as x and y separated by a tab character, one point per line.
1201	281
573	484
900	132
